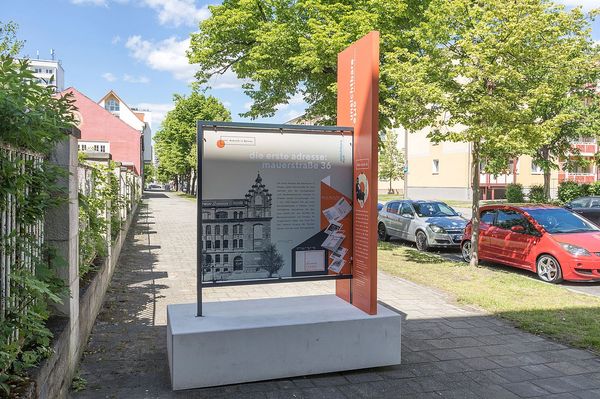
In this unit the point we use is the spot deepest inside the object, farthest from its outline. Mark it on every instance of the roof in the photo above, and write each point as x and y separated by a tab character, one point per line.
111	92
99	112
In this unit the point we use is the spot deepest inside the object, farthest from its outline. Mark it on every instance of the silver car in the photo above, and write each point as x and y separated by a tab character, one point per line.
426	223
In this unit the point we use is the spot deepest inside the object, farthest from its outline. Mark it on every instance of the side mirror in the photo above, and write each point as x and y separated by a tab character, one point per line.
517	229
568	206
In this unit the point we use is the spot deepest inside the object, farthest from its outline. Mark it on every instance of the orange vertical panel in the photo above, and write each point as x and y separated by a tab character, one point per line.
357	106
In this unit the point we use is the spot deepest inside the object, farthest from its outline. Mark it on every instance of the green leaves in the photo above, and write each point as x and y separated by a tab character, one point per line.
285	47
176	141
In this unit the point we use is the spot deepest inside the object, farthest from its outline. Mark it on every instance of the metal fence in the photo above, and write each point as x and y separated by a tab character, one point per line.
20	242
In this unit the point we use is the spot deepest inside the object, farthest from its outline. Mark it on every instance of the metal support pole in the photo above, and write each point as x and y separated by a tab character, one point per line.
406	164
199	144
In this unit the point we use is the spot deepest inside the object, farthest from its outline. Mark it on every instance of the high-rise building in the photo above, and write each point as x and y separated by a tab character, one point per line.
48	72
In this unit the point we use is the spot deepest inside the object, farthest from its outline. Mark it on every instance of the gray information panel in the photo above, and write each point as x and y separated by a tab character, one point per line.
275	202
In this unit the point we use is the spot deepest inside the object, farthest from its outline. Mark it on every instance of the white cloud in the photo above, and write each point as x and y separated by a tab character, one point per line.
178	12
159	112
135	79
109	77
116	39
167	55
248	105
90	2
296	99
585	4
170	12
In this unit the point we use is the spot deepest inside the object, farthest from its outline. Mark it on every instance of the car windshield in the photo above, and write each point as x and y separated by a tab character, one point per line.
428	209
556	221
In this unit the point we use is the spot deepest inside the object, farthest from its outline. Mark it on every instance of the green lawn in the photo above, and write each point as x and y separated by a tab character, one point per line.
532	305
186	196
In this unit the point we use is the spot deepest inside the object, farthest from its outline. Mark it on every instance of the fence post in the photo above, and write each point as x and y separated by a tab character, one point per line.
62	233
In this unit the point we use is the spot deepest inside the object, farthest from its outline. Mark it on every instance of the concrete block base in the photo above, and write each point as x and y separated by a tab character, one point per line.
263	339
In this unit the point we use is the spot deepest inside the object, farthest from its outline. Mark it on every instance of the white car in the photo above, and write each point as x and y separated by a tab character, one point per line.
426	223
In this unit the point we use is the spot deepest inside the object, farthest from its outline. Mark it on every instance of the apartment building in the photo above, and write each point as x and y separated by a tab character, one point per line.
48	73
102	131
443	170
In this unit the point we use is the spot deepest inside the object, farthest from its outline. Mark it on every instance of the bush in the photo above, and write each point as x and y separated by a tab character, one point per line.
514	193
537	195
569	190
32	120
594	188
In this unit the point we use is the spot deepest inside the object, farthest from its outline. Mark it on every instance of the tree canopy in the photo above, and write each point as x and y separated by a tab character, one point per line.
282	47
176	140
487	72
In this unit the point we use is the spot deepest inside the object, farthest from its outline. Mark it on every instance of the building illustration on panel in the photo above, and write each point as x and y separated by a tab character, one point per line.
234	234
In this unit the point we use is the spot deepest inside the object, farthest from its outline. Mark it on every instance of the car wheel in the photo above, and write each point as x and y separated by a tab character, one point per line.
466	251
548	269
421	241
382	232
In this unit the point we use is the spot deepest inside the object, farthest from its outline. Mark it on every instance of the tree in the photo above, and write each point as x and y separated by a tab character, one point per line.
284	47
391	160
176	140
9	44
270	260
574	113
482	70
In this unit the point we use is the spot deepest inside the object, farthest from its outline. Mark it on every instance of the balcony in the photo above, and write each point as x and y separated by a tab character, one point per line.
486	179
577	177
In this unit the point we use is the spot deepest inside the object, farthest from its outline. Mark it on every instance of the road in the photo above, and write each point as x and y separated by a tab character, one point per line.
455	256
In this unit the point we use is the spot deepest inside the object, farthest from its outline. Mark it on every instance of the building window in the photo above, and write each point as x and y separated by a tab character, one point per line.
221	215
208	244
235	215
217	258
258	200
82	147
37	70
112	105
241	215
225	258
258	235
238	263
217	230
225	230
536	169
241	243
435	167
225	244
217	244
208	230
48	70
208	259
217	269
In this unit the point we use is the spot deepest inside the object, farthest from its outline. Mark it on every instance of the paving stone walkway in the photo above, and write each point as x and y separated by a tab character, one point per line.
448	351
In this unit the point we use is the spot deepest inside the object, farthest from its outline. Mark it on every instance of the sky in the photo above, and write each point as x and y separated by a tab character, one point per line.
137	48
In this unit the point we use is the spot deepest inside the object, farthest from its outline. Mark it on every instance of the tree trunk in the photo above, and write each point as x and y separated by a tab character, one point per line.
391	191
192	182
475	206
176	182
547	172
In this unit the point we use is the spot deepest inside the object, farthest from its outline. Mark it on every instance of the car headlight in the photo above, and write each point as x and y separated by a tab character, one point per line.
575	250
437	229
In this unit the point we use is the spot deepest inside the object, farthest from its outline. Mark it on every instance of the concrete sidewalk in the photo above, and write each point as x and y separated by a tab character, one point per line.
448	351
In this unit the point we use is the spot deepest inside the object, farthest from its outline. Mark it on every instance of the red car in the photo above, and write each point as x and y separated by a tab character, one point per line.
553	242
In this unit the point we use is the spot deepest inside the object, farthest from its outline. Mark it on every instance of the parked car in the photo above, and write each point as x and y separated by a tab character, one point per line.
588	207
426	223
154	186
548	240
